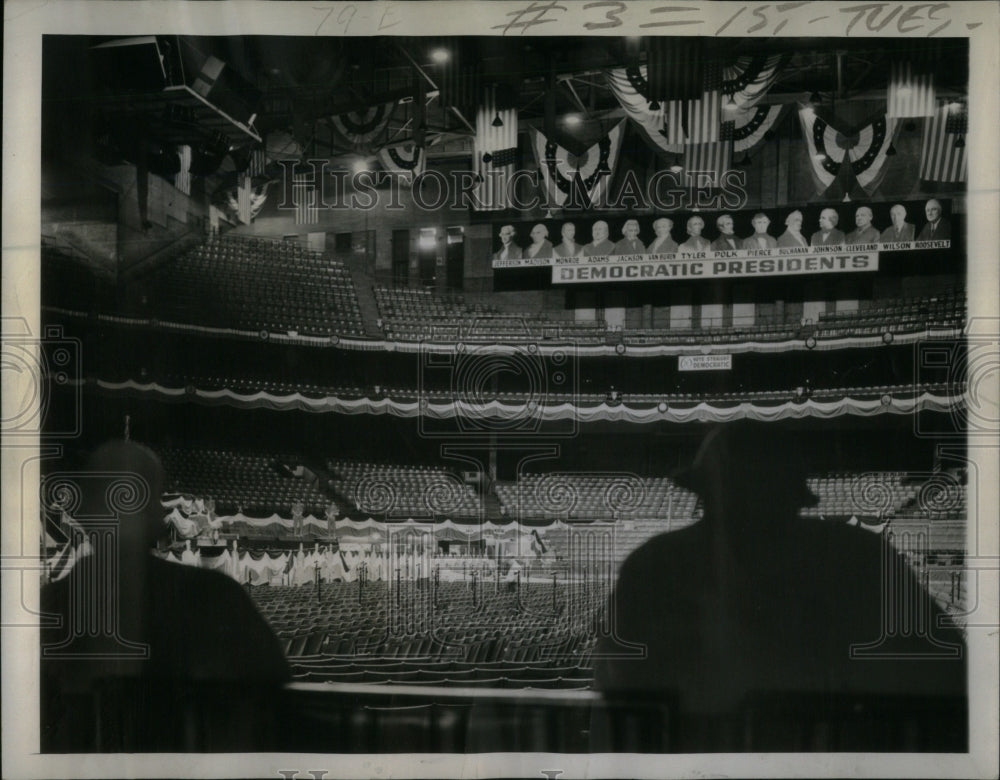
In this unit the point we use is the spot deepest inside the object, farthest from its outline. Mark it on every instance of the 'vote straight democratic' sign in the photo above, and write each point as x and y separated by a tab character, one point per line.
705	362
745	263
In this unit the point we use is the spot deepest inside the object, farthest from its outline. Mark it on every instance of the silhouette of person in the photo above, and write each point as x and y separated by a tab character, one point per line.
162	625
753	603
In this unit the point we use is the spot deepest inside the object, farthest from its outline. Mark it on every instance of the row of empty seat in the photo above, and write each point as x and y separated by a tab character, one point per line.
447	632
274	483
253	284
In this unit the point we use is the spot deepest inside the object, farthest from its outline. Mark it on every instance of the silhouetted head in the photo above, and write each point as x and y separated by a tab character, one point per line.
750	468
125	480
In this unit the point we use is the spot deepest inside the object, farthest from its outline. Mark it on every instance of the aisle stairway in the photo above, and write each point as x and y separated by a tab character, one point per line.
366	302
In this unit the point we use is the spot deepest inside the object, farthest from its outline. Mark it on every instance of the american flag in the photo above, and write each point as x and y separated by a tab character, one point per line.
182	179
675	67
716	158
910	93
940	159
304	198
698	121
460	75
258	161
243	192
537	544
494	152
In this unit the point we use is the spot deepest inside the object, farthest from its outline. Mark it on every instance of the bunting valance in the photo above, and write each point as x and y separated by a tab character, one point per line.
904	401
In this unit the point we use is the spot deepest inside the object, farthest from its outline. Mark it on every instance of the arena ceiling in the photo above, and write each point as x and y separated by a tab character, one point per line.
284	90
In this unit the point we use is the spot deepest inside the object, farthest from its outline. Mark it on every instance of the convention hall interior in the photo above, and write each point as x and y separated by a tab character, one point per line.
431	345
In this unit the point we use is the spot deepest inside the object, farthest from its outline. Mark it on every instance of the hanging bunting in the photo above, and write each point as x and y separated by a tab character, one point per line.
869	157
903	400
825	153
593	169
360	129
748	79
751	126
630	87
942	152
494	153
408	160
246	201
866	150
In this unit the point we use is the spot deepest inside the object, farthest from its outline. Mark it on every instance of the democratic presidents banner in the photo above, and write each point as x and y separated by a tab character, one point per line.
734	236
738	263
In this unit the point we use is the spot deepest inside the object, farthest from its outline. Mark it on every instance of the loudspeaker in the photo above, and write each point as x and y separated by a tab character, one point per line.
129	64
217	83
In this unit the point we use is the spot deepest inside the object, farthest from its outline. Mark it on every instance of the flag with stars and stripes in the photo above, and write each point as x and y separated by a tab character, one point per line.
258	161
244	191
942	153
304	198
675	67
697	121
182	179
911	92
713	158
494	153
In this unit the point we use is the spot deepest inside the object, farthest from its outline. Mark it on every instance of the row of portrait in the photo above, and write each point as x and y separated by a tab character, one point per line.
829	229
